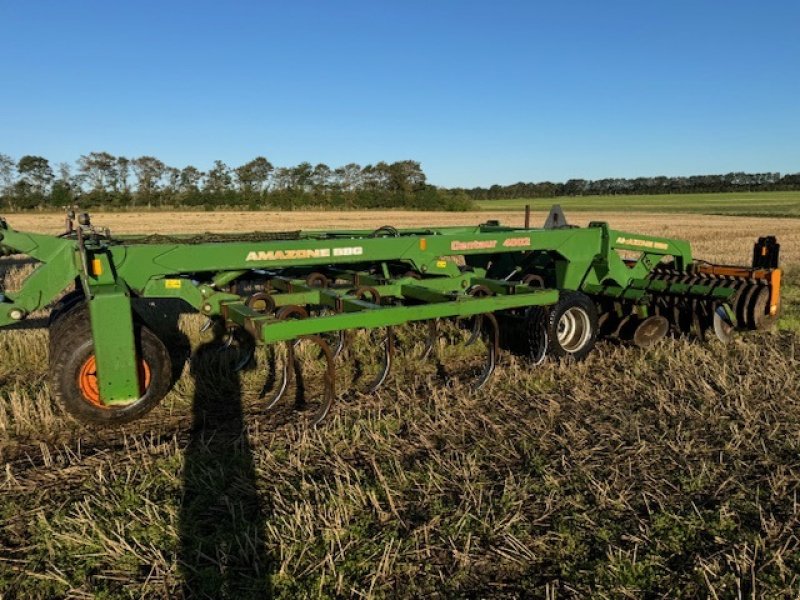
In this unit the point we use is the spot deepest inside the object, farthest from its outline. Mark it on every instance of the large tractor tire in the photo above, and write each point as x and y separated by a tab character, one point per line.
572	326
73	372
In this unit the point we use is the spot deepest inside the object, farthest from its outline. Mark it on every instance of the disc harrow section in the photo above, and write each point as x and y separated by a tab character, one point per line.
323	300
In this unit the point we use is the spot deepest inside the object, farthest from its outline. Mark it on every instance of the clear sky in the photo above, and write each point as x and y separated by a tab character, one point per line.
479	92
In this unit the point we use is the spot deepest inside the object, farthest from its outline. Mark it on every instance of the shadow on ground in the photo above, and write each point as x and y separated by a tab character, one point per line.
222	550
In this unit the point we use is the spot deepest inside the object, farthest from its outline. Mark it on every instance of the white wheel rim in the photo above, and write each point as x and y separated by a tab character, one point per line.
574	329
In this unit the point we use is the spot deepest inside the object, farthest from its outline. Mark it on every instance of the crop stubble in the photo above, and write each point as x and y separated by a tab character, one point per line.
673	469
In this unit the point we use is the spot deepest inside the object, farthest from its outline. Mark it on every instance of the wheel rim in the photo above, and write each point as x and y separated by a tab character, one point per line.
89	386
574	329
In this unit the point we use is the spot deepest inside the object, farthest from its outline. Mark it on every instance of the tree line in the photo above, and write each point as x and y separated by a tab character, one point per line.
100	179
730	182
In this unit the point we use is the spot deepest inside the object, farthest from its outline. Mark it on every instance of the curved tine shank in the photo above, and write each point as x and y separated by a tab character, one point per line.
478	291
329	387
492	344
477	327
388	354
430	342
287	369
226	340
337	340
341	342
245	341
290	365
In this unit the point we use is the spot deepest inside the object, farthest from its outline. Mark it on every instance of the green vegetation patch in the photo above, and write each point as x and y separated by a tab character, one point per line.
749	204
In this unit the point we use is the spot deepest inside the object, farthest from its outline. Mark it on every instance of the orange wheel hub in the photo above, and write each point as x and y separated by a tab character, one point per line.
89	385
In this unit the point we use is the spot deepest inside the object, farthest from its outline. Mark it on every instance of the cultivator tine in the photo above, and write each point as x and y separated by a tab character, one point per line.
291	369
386	363
247	357
286	373
243	342
477	327
477	291
337	340
492	346
207	325
227	341
290	365
329	381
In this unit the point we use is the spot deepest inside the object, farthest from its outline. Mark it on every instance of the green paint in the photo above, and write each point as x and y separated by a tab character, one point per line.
449	261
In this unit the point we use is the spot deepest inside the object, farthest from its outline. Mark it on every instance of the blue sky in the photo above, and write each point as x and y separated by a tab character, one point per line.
479	92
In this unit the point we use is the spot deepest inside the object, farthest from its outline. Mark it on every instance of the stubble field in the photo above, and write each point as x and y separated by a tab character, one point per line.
671	472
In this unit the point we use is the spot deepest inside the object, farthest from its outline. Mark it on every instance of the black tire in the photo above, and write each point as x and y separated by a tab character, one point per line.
71	347
58	315
65	304
572	326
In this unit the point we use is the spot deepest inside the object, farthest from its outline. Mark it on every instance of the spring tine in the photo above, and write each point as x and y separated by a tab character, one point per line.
245	359
430	342
477	327
388	353
329	391
341	342
492	344
286	377
207	325
227	341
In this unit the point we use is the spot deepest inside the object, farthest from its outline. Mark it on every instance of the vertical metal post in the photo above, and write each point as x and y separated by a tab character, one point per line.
114	345
527	216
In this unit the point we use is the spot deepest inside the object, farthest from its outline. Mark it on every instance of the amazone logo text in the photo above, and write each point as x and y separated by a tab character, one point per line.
267	255
641	243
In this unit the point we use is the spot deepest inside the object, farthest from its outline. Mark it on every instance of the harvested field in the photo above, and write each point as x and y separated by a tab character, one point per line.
713	237
667	472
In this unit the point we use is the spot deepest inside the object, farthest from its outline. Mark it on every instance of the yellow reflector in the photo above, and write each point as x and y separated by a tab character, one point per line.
97	267
423	244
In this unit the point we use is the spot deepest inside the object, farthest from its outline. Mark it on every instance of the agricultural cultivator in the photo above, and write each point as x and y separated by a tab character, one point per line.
538	292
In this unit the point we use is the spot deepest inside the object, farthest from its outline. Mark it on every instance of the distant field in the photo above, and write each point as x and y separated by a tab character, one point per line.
749	204
734	246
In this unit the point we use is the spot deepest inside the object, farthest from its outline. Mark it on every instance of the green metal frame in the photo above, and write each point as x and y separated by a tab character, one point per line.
112	271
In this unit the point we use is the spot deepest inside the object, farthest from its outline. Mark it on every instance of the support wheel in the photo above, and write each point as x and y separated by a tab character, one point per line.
73	372
572	326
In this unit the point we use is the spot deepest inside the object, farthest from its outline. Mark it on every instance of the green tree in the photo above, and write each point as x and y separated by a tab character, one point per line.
7	169
100	171
321	178
36	173
300	176
190	179
252	177
172	180
149	171
123	175
405	176
62	192
218	179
